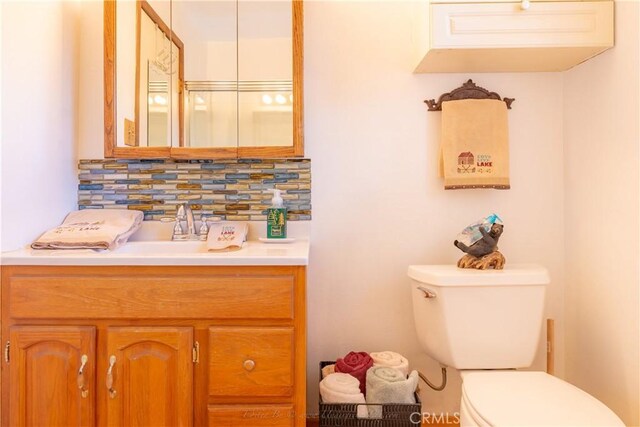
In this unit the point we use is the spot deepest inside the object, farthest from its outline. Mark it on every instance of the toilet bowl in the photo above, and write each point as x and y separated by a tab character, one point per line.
517	398
487	323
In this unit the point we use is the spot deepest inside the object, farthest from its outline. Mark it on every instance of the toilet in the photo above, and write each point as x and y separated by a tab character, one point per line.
487	323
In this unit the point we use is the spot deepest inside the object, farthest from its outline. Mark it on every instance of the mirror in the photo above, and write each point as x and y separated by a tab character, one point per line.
265	73
209	29
159	67
212	79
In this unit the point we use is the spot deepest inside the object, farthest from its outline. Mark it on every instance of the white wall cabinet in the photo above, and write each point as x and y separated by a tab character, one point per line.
505	36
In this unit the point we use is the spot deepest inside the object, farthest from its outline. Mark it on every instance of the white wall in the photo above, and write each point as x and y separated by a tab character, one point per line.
39	117
378	205
91	82
602	133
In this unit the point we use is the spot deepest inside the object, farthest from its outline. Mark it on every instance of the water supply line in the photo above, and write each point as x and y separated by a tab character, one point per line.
436	388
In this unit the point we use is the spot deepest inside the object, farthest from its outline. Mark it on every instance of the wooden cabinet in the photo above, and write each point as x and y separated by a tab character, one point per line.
162	346
52	376
149	381
511	36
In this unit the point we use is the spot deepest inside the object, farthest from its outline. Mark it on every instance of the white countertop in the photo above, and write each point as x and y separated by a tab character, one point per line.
142	249
143	253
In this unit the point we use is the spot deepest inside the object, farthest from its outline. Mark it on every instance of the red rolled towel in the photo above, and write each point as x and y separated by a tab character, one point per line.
356	364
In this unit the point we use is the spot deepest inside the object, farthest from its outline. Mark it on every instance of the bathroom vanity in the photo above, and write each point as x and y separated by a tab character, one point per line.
134	339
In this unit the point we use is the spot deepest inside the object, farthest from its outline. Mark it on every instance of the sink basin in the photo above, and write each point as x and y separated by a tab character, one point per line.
164	248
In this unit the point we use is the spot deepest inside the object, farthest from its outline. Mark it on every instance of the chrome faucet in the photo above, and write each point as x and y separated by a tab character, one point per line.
186	214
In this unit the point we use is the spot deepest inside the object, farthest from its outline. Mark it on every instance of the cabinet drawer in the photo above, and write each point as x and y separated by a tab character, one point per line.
126	297
251	415
500	25
250	361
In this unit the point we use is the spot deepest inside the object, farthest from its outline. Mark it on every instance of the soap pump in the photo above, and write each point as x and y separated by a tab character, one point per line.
277	217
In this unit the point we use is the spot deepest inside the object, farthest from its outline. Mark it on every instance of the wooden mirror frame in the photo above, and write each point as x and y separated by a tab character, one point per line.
111	149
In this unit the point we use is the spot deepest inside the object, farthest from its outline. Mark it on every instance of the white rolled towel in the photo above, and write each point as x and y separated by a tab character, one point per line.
389	385
343	388
390	359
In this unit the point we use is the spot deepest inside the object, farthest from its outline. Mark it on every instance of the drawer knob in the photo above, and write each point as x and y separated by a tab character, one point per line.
525	4
249	364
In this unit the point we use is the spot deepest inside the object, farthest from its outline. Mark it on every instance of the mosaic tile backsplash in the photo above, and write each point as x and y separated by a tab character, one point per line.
232	189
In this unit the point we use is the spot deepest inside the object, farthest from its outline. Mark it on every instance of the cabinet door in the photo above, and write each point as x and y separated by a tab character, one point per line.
52	376
508	25
149	378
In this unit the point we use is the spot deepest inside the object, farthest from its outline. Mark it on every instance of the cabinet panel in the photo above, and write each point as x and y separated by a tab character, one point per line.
251	415
63	297
245	361
152	376
546	24
44	376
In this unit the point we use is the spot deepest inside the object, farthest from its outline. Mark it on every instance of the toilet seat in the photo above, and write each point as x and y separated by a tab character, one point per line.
524	398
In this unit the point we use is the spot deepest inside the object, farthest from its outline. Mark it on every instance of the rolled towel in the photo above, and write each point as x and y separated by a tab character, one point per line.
328	370
389	385
356	364
391	359
343	388
92	229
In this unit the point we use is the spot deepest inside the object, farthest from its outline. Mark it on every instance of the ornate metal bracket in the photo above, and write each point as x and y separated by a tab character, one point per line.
468	90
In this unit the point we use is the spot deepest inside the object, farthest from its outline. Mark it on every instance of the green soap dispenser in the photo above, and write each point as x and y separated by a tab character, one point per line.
277	217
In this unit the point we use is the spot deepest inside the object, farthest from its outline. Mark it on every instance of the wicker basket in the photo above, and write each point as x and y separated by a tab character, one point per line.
344	414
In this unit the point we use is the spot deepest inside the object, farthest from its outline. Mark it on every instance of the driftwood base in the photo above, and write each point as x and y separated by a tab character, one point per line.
493	260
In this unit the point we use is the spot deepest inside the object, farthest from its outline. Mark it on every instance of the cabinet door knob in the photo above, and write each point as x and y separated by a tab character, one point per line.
525	4
81	380
112	391
249	365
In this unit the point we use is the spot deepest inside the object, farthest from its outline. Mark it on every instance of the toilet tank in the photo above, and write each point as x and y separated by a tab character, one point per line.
479	319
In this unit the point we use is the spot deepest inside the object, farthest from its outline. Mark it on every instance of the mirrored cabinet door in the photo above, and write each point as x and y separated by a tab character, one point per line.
265	74
203	78
143	66
159	70
210	122
270	58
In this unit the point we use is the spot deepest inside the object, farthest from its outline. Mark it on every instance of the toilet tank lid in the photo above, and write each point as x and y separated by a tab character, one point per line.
451	275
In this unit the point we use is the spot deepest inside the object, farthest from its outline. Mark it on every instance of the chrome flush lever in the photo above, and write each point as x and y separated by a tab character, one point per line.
427	292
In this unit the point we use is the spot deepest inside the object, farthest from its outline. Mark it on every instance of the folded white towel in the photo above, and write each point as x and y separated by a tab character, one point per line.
227	236
92	229
343	388
391	359
389	385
